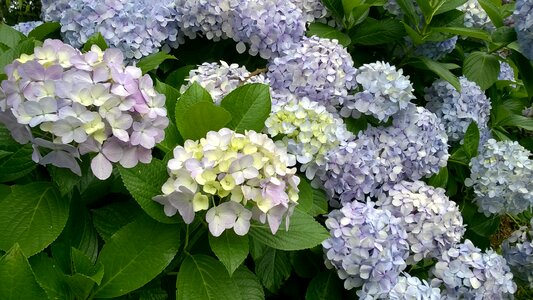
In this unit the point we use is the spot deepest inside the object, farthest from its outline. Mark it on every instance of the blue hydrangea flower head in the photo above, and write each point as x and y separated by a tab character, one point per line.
409	287
51	10
475	15
436	50
518	251
523	24
312	9
506	72
27	27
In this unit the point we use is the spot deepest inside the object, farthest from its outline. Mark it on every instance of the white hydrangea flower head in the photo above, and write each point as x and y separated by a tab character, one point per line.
475	15
308	131
467	273
433	222
384	92
523	25
501	177
27	27
83	103
367	246
248	175
458	109
518	251
219	79
319	69
408	288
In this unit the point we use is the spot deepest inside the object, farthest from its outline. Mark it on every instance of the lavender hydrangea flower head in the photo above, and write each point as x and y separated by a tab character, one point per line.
312	9
212	19
138	27
458	109
51	10
467	273
518	251
409	287
523	24
414	146
385	91
246	174
433	222
506	72
308	131
269	27
83	103
219	79
319	69
27	27
367	246
501	176
475	15
436	50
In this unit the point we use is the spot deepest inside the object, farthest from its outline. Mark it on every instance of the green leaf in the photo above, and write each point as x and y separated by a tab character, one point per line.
481	68
477	222
304	232
441	70
493	11
325	286
202	277
328	32
471	140
518	121
408	8
44	31
273	268
80	233
171	97
143	190
50	277
430	8
249	106
450	5
172	138
230	248
193	95
136	254
16	277
504	35
357	15
80	285
9	36
305	196
320	203
374	32
64	179
440	179
177	78
96	39
468	32
110	218
335	6
248	284
525	69
201	118
82	264
33	216
18	165
152	61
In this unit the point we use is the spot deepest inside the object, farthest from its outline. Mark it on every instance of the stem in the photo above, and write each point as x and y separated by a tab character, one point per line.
256	72
186	240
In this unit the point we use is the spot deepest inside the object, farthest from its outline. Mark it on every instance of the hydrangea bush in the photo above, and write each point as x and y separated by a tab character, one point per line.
235	149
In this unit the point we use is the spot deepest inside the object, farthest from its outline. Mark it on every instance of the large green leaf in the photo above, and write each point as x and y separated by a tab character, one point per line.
110	218
152	61
9	36
80	233
482	68
230	249
324	31
136	254
16	277
33	216
143	190
50	277
273	268
471	140
202	277
374	32
64	179
171	97
17	165
248	284
304	232
249	106
325	286
201	118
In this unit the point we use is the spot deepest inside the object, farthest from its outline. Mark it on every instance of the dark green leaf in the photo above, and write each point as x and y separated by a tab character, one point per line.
335	6
478	222
492	11
441	70
248	284
96	39
17	165
79	233
16	277
482	68
33	216
468	32
450	5
273	268
373	32
82	264
320	203
172	138
201	118
518	121
136	254
64	179
525	70
249	106
305	199
409	9
471	140
177	78
44	31
171	97
325	286
50	277
230	249
110	218
328	32
152	61
440	179
504	35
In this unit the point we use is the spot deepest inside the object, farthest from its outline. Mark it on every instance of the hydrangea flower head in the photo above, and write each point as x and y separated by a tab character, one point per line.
212	19
467	273
367	246
308	131
269	27
523	25
433	222
319	69
219	79
82	103
312	9
518	251
506	72
138	27
27	27
385	91
475	15
501	176
458	109
51	9
409	287
436	50
246	174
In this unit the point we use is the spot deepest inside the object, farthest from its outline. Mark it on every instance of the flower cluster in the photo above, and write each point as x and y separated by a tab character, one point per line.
523	24
367	246
475	15
84	103
408	288
436	50
385	91
506	72
458	109
467	273
248	173
518	251
316	68
501	176
51	9
414	146
270	27
27	27
308	131
220	79
138	27
312	9
433	222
